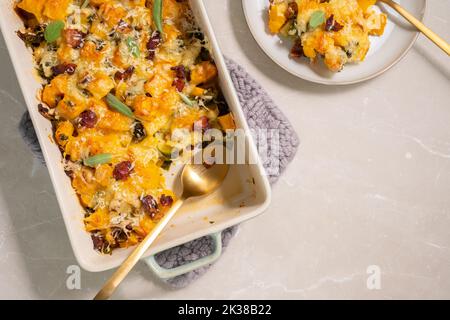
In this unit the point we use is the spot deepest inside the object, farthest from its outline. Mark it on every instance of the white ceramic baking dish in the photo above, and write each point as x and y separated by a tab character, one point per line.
244	195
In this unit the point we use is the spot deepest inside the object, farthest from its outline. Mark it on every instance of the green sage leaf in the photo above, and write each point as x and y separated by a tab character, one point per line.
157	14
98	159
119	106
186	100
85	4
133	47
53	31
317	18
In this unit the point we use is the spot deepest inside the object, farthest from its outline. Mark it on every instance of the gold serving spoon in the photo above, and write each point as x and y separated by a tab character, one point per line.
197	180
441	43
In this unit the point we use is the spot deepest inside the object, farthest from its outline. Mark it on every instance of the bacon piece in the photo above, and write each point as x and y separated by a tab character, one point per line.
180	77
74	38
297	49
125	75
332	25
292	10
166	201
153	44
98	241
150	206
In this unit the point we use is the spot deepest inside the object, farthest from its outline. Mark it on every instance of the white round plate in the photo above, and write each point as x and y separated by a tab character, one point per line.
385	51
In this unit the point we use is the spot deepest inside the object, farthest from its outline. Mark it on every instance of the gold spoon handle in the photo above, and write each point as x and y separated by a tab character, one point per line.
110	286
441	43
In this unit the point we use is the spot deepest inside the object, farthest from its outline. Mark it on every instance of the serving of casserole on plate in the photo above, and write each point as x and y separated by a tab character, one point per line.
332	42
336	30
109	84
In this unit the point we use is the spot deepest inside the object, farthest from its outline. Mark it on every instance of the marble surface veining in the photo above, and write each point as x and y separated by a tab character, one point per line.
368	187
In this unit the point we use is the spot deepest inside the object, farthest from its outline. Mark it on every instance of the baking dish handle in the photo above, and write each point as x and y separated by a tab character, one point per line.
164	273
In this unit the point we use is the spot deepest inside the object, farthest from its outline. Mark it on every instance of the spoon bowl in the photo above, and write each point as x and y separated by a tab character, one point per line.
199	179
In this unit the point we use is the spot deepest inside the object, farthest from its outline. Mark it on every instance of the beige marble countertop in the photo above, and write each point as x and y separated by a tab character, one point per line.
368	187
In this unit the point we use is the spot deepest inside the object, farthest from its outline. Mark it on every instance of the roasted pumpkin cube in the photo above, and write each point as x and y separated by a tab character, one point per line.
56	9
35	7
103	174
84	183
55	91
147	224
112	14
365	4
101	85
69	108
277	15
203	72
158	85
376	23
89	52
65	53
171	10
151	175
64	132
99	2
99	220
109	119
171	33
335	59
99	29
51	95
197	91
135	3
118	60
146	107
227	122
132	240
154	111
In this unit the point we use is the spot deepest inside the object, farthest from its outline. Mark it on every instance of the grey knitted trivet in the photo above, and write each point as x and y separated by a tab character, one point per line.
261	113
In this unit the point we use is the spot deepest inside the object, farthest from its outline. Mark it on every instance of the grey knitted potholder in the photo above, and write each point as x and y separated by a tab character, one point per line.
261	113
